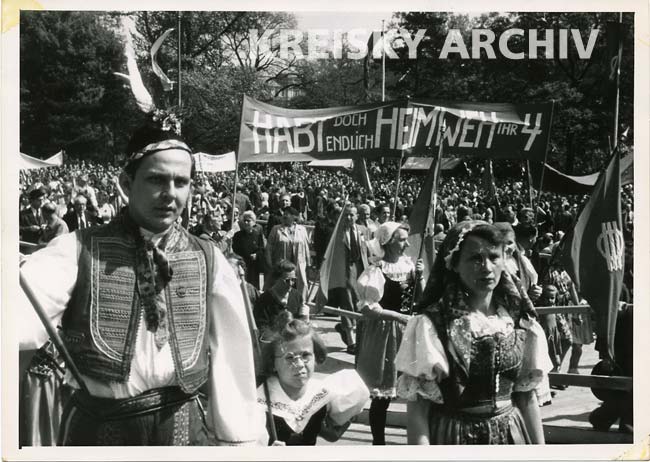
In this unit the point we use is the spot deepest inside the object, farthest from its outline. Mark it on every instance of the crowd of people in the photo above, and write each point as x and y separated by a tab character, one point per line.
497	259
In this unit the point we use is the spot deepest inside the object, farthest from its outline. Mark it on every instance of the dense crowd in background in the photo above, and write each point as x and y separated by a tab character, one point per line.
317	195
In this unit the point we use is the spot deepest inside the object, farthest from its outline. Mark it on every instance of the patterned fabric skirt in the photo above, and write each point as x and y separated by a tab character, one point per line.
146	420
378	345
447	426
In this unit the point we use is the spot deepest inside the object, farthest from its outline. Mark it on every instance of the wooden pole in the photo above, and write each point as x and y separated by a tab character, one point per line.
52	332
257	349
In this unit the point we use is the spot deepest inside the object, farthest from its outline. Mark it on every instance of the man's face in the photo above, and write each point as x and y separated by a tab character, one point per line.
285	201
159	189
80	205
37	203
350	216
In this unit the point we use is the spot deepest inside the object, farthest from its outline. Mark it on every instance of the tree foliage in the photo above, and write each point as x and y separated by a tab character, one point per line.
69	97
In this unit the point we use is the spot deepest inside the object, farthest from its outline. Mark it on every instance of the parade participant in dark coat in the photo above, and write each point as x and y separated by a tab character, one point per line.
149	313
282	294
249	243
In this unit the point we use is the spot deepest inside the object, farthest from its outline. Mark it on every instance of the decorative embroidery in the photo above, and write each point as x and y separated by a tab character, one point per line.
295	413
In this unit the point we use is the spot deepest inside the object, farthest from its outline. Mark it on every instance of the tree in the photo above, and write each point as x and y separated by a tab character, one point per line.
69	97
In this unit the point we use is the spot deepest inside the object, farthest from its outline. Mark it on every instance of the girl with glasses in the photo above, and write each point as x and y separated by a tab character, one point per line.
305	405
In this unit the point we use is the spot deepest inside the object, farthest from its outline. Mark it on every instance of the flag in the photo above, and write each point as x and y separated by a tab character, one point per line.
360	173
336	240
593	253
422	219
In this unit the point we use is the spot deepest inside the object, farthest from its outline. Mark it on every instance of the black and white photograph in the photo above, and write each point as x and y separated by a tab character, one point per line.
343	226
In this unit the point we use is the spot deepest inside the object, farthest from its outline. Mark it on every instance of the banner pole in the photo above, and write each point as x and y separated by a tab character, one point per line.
234	195
541	178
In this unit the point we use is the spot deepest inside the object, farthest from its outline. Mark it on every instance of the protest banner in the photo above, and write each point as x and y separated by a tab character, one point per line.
388	129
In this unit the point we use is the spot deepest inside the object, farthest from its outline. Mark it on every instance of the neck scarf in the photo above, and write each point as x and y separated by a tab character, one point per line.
153	273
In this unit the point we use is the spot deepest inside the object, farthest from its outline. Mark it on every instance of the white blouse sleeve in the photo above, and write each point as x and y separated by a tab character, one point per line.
51	274
350	394
233	413
536	363
370	287
422	361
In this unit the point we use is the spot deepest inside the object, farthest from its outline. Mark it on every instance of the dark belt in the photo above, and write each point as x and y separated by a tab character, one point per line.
146	403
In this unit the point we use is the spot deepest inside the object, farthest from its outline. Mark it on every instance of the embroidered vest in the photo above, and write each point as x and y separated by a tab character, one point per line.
102	318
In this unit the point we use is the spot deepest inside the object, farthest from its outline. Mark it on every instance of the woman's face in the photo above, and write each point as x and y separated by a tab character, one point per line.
287	281
398	243
294	364
248	223
479	265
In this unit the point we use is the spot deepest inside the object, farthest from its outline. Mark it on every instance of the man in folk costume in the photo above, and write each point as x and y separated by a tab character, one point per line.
148	313
348	260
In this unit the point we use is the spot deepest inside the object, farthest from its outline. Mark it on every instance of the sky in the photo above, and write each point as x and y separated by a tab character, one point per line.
370	20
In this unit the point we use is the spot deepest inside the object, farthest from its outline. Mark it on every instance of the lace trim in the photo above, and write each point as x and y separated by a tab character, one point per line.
398	271
409	387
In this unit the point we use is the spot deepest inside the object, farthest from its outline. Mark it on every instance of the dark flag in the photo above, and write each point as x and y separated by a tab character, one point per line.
593	254
422	219
360	173
615	33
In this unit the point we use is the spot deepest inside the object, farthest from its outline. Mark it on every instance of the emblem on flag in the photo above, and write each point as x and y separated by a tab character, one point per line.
610	245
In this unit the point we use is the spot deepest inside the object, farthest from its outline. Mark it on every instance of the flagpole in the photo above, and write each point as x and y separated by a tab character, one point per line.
383	63
179	58
618	81
541	178
432	205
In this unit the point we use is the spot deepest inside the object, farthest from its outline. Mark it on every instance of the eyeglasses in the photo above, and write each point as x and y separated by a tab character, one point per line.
292	358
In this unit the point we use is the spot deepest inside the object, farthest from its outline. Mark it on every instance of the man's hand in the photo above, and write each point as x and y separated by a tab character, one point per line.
34	228
419	266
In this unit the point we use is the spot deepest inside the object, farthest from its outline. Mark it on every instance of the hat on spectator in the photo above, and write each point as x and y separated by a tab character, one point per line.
36	193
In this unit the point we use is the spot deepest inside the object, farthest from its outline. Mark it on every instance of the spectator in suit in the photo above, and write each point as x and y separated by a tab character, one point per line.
31	219
349	260
80	217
